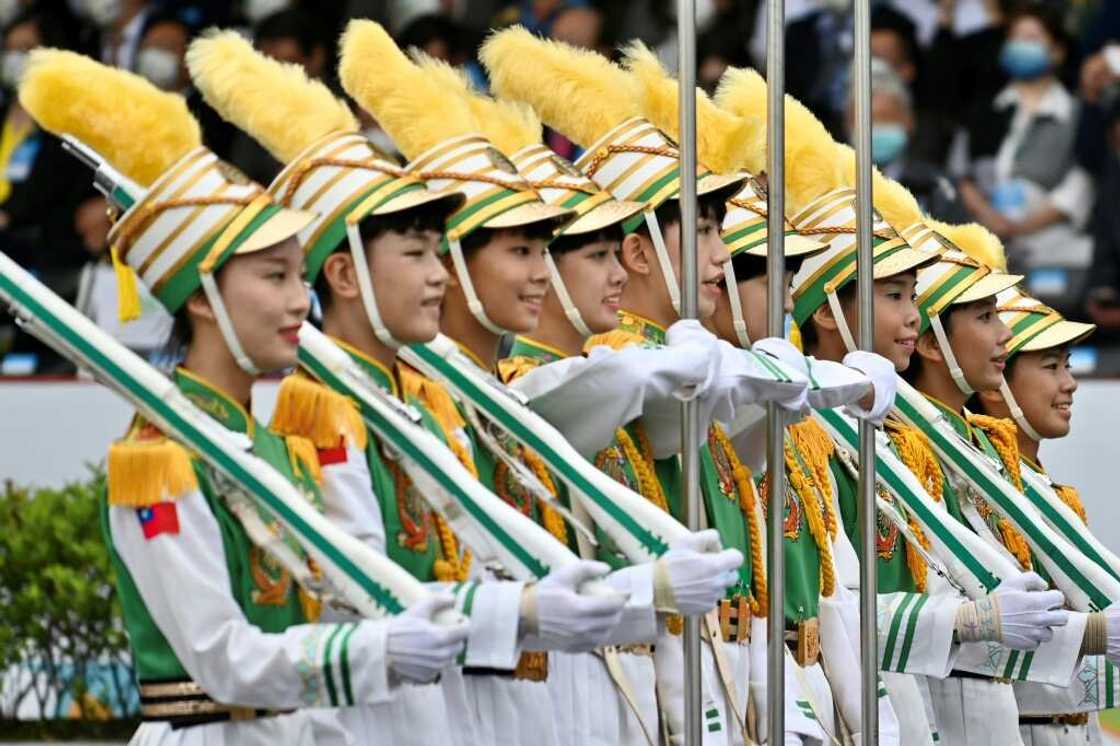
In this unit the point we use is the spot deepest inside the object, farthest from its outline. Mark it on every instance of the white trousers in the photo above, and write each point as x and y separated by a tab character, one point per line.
975	712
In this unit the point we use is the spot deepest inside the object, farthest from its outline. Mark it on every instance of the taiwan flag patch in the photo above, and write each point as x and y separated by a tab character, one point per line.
161	518
336	455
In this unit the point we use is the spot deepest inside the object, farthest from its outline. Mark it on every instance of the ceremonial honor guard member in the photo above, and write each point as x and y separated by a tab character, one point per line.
224	638
502	267
1036	400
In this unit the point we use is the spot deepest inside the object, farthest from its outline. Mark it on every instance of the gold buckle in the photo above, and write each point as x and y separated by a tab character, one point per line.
735	620
532	666
808	642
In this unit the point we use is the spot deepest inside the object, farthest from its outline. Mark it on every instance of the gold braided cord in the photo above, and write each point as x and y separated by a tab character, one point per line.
557	184
915	451
745	485
550	517
305	167
1070	497
1004	439
513	186
603	154
817	448
147	213
640	456
449	568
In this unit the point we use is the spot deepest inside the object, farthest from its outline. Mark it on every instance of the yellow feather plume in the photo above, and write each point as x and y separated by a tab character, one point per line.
812	168
272	101
976	241
723	140
578	93
509	125
893	201
414	110
141	130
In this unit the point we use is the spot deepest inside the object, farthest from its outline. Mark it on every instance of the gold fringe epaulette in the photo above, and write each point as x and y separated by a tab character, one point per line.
146	468
309	409
1003	436
512	368
304	457
1070	497
616	339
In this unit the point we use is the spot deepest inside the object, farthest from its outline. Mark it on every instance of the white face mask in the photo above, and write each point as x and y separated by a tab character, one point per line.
159	66
257	10
9	9
104	13
12	66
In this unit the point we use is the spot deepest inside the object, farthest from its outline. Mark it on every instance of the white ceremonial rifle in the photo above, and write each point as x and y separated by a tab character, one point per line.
352	572
969	562
1086	585
641	530
493	529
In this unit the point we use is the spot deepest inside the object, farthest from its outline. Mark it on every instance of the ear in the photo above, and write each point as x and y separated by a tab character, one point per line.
339	272
929	348
823	318
198	306
635	254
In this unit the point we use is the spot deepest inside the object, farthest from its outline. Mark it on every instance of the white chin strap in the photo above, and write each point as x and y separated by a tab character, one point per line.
1017	412
738	322
474	305
225	324
950	359
570	309
667	273
841	321
365	287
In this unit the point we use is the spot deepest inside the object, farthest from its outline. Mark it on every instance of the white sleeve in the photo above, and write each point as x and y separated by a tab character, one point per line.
916	633
184	582
349	501
1073	196
833	384
494	610
1053	663
1095	686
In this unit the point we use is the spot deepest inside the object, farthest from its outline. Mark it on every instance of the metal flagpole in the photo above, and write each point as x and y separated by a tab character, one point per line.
775	306
690	456
868	583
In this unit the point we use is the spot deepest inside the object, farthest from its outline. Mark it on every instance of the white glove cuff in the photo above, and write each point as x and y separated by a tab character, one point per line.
979	620
527	611
664	600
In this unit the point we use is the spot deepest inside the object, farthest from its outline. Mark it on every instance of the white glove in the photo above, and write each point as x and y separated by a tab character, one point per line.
692	576
791	362
556	616
884	379
1019	613
417	648
690	334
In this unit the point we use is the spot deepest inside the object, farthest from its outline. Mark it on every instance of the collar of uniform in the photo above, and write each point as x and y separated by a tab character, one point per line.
956	419
1056	102
381	375
214	401
529	347
651	331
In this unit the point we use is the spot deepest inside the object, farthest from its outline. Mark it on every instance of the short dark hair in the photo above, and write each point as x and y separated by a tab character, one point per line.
564	244
1048	16
420	219
748	266
886	18
810	337
476	239
296	24
712	205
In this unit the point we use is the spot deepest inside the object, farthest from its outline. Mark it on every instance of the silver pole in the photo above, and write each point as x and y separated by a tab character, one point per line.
690	288
775	309
868	582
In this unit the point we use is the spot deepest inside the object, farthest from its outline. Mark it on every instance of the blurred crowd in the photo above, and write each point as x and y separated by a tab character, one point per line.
997	111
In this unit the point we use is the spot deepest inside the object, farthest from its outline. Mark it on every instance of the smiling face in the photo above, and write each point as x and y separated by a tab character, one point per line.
1044	386
267	300
711	253
511	279
979	340
896	319
409	281
594	278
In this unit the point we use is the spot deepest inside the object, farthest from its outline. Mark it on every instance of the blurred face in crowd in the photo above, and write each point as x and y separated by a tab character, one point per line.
1030	52
892	125
888	46
161	53
289	49
18	43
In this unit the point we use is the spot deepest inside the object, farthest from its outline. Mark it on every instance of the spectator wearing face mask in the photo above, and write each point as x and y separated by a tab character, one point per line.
42	188
892	130
1025	183
119	25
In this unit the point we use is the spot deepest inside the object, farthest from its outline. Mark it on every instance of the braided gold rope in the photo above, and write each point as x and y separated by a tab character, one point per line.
305	168
1002	435
513	186
145	215
604	154
743	483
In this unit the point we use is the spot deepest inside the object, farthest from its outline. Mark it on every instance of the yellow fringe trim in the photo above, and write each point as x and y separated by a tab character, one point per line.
815	447
616	339
1070	497
304	457
309	409
434	397
128	295
550	518
915	451
747	503
143	472
450	568
512	368
1004	438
